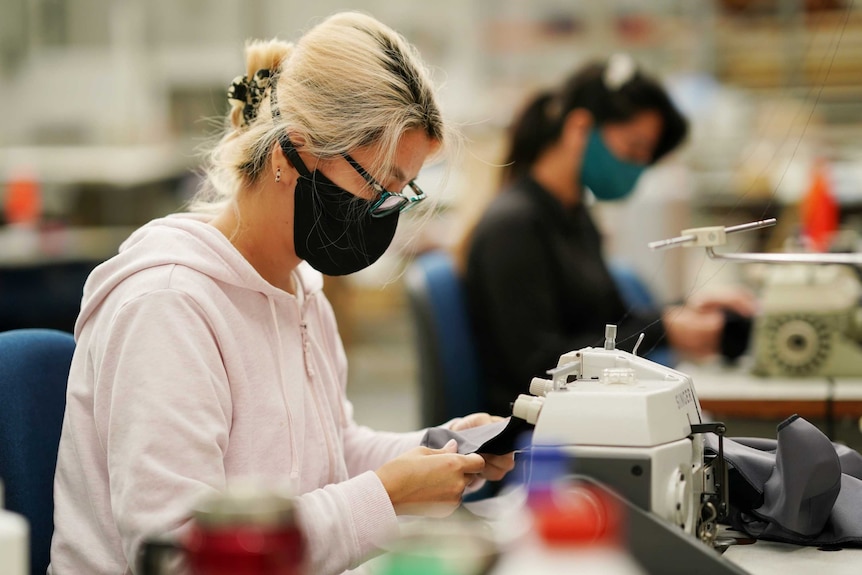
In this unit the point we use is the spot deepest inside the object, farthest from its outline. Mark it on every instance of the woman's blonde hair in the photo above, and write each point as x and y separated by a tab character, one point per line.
348	82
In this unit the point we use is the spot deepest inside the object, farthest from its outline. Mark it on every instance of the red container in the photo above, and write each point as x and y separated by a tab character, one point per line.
254	533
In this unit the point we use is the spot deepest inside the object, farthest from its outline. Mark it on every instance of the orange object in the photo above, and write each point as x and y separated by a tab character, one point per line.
23	200
581	515
819	210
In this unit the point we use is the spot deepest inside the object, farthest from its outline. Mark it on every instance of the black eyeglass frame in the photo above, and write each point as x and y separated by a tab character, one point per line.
402	202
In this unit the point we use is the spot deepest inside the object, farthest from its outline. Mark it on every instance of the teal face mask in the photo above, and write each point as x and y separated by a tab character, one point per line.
608	177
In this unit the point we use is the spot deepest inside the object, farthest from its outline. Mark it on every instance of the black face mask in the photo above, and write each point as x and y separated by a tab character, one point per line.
333	230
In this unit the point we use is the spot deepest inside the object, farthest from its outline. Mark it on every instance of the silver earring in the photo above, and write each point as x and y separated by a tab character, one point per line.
278	175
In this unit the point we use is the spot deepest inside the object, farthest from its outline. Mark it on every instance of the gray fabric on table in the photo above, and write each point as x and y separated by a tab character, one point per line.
811	488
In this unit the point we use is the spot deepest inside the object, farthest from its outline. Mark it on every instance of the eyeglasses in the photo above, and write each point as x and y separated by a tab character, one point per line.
387	202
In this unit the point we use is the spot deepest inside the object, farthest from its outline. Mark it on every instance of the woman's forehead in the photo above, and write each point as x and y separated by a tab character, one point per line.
413	149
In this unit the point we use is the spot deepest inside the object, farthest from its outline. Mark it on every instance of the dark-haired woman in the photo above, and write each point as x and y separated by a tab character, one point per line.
537	283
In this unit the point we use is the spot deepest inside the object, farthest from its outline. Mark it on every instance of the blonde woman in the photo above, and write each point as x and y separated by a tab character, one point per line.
206	349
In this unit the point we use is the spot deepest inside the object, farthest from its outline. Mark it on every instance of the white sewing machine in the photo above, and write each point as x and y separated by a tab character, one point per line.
635	426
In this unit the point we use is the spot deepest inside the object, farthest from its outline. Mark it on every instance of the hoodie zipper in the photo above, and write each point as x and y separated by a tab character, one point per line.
306	345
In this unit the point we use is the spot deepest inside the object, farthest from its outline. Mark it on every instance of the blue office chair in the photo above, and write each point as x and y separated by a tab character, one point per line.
34	368
449	374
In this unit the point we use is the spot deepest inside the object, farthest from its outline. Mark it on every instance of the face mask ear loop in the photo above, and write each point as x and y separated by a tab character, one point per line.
292	156
287	147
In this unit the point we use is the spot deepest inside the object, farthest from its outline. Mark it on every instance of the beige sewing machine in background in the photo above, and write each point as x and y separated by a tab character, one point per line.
810	322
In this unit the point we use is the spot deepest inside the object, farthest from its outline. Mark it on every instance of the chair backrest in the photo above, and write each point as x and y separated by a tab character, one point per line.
632	288
34	368
449	373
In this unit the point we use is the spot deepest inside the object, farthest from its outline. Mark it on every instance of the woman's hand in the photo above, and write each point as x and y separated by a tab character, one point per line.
496	466
429	482
735	298
695	329
693	332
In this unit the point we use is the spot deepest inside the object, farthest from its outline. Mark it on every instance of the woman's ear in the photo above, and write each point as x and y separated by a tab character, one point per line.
278	159
278	163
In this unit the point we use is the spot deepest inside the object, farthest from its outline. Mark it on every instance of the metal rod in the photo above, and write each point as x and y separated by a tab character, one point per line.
610	336
751	226
669	243
638	344
854	259
662	244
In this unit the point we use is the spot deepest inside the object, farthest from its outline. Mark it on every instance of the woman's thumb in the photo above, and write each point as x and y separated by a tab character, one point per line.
451	446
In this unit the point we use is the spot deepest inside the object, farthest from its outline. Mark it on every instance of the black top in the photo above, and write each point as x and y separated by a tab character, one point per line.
537	287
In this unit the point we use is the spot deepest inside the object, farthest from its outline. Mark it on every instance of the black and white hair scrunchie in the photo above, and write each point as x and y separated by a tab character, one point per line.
250	93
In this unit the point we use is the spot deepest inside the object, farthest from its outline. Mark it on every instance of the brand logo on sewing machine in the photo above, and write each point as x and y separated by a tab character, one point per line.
683	398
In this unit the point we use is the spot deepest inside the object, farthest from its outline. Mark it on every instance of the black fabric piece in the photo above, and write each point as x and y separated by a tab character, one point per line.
735	336
498	438
799	488
537	286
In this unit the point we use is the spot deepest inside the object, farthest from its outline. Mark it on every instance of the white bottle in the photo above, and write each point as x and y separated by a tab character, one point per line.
14	542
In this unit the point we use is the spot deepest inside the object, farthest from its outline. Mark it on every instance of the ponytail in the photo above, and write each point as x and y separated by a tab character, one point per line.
531	133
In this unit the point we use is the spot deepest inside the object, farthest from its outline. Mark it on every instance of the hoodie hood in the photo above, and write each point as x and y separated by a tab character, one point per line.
185	240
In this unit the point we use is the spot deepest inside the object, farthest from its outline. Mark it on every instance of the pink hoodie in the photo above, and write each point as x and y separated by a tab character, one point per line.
191	370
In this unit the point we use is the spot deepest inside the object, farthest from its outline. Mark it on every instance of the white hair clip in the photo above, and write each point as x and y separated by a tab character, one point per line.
620	69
